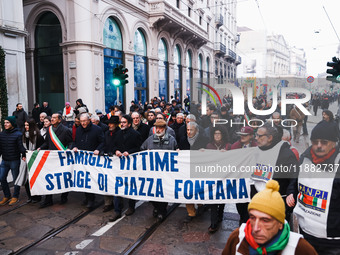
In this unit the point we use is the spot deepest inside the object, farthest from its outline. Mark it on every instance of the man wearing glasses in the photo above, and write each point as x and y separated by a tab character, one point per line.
168	130
316	191
274	160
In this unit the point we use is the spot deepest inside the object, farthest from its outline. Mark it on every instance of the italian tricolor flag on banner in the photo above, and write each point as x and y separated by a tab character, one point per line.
313	201
39	165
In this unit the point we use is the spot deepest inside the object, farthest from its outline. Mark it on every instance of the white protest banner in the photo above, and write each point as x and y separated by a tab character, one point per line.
147	175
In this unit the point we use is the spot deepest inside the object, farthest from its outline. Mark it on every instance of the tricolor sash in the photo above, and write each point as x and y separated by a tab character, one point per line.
56	140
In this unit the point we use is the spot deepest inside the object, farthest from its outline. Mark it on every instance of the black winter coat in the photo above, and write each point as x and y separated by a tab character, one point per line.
21	117
90	138
64	135
11	145
47	110
127	140
109	139
200	142
144	130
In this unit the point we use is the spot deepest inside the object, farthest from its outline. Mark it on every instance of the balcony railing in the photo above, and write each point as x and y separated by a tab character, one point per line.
220	48
232	54
219	20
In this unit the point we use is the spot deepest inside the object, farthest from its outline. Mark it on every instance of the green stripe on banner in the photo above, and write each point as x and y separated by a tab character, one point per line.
315	201
32	159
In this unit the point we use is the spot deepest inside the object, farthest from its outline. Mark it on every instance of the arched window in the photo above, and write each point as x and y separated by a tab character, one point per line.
163	70
178	72
113	56
49	78
140	67
189	72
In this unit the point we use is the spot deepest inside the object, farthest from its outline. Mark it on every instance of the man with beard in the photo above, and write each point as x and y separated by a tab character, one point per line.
127	141
58	137
91	138
151	118
161	140
20	115
168	130
316	191
137	125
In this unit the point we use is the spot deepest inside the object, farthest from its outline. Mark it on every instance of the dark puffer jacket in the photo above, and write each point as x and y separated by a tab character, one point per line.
11	145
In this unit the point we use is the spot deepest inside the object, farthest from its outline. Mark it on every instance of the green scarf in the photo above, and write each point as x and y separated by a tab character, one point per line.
277	246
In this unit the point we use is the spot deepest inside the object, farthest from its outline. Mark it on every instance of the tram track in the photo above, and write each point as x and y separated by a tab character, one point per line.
143	238
57	230
13	208
131	249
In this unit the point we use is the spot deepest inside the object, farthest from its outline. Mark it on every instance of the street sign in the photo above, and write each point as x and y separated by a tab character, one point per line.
310	79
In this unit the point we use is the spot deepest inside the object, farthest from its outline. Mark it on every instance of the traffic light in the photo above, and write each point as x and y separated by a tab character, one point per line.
116	77
120	76
335	71
124	75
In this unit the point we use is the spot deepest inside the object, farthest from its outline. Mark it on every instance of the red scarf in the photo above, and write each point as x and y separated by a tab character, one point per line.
318	160
68	110
250	239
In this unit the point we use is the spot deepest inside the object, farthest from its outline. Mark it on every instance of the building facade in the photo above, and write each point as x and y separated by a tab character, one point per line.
12	40
269	56
72	47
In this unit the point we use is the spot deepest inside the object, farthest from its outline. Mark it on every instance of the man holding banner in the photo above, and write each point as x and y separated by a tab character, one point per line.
58	137
127	141
91	138
161	140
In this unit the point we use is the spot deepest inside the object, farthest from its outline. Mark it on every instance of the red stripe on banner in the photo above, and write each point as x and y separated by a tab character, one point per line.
39	167
323	204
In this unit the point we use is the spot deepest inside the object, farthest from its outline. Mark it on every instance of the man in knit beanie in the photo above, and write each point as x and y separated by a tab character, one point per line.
266	231
315	192
11	150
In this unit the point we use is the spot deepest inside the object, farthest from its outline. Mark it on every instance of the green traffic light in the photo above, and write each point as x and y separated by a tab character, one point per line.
116	82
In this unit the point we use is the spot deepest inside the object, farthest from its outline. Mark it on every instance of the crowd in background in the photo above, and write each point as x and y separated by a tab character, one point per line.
160	125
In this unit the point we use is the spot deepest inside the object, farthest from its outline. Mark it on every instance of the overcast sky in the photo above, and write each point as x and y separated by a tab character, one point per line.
298	21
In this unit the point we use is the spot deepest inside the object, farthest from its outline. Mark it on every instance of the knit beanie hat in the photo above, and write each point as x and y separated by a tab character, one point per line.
13	120
325	130
269	201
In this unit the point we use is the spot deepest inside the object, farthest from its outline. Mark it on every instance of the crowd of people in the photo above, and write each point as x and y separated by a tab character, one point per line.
171	125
